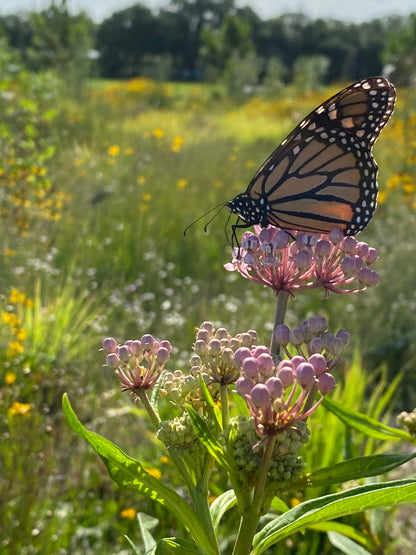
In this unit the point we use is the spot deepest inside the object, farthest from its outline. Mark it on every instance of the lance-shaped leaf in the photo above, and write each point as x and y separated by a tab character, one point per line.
333	506
360	467
128	472
206	437
221	505
365	424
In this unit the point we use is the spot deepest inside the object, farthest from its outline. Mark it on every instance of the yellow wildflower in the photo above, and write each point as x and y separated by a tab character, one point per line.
19	408
141	179
21	334
250	164
177	144
15	349
158	133
382	195
155	472
10	378
181	183
217	184
128	151
164	459
9	252
113	150
146	197
130	514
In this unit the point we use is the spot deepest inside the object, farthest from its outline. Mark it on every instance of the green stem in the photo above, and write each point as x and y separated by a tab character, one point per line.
177	460
281	306
224	406
250	519
200	500
142	395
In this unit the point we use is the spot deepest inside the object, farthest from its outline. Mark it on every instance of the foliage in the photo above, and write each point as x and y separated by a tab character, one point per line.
194	40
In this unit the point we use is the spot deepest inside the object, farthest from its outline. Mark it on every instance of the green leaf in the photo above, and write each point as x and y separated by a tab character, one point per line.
365	424
360	467
363	539
147	523
177	546
213	410
128	472
333	506
136	551
345	545
212	445
279	505
221	505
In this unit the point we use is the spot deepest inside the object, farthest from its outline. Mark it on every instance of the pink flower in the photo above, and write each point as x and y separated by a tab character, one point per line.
139	363
301	261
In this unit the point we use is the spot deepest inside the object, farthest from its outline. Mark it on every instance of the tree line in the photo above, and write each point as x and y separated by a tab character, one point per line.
211	40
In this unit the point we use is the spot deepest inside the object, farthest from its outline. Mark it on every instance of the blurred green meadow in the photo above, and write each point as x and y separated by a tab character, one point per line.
96	192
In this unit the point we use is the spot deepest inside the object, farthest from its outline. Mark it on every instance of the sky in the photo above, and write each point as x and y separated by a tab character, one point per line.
351	10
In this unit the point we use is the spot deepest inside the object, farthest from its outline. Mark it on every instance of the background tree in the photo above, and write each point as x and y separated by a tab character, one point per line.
400	50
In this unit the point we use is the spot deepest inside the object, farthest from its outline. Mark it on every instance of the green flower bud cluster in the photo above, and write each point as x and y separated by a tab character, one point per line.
178	433
184	389
247	449
407	420
214	352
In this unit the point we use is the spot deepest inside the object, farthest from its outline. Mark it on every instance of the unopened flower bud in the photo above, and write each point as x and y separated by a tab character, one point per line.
241	354
323	248
266	364
200	347
227	356
319	364
166	345
332	344
203	335
345	336
335	235
326	383
162	355
222	333
282	334
250	242
315	345
260	395
296	337
136	348
259	350
109	345
124	353
281	239
302	260
297	360
348	245
361	249
286	375
348	266
208	326
243	386
249	259
368	277
112	360
371	256
275	387
147	341
214	347
305	374
250	367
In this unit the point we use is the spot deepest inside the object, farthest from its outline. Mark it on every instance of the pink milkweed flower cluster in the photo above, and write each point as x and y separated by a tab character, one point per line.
279	395
137	363
297	261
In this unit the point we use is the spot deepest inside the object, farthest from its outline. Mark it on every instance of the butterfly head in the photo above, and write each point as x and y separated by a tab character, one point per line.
250	210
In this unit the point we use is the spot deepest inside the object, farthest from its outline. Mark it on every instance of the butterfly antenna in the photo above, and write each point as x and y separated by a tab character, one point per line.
218	209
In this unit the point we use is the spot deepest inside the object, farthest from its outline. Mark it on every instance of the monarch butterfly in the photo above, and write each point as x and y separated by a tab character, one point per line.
323	175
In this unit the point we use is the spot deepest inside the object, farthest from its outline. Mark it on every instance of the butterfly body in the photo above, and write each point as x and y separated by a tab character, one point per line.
323	175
